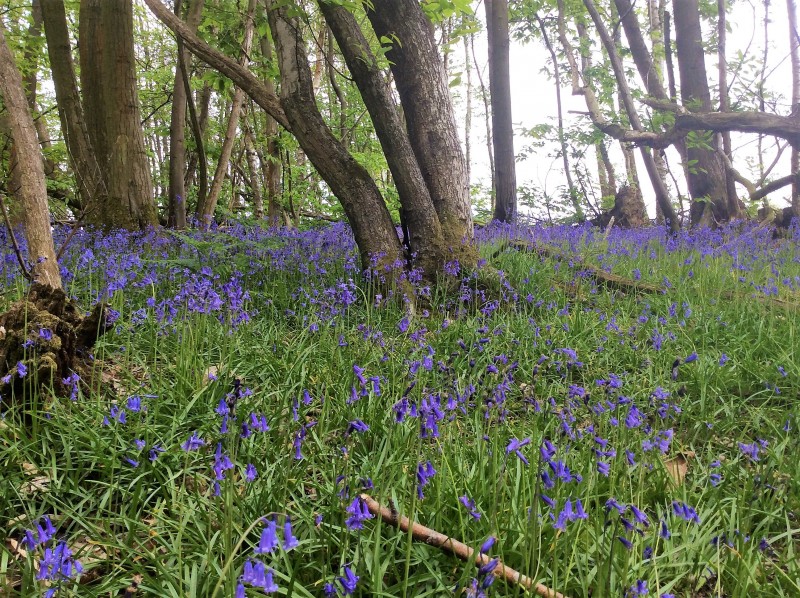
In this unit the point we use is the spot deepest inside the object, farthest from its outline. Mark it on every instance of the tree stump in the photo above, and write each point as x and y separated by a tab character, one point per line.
44	339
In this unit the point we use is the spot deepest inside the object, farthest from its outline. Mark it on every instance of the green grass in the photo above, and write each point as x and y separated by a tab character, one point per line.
160	520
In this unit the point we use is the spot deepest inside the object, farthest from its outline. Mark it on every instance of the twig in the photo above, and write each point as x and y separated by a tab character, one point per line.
459	549
25	272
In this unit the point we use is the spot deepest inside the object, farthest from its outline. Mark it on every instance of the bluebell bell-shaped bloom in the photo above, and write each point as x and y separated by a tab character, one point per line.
289	541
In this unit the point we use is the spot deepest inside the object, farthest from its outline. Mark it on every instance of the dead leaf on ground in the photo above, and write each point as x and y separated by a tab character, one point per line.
677	466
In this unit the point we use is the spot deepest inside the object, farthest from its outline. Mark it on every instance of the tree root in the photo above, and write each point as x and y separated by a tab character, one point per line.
465	553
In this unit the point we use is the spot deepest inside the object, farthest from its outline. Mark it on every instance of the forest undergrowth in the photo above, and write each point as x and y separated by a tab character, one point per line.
632	439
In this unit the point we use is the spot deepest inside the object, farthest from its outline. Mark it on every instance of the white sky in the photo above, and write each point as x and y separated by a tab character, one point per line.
534	102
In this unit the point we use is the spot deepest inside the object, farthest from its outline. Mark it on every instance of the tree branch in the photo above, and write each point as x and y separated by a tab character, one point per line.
465	553
241	76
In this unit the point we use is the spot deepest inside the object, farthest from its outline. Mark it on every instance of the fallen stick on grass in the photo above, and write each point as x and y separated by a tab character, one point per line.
459	549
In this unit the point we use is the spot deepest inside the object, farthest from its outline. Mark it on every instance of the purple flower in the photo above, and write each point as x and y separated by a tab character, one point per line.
690	358
193	443
684	511
257	575
514	447
22	369
639	588
487	545
357	426
749	450
250	472
289	541
269	538
359	513
470	506
424	474
349	581
603	468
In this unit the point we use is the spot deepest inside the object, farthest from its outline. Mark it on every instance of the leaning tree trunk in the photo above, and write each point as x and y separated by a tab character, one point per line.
111	109
422	85
88	175
505	203
33	188
362	201
417	213
707	183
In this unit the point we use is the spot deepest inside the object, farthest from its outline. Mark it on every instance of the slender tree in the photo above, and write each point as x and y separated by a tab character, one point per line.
205	211
176	192
89	179
794	45
33	188
505	179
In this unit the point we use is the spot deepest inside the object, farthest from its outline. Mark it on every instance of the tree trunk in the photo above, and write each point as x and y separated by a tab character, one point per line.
794	44
430	119
661	192
252	171
362	202
487	115
418	213
562	140
707	172
724	106
177	127
272	165
33	188
31	81
111	109
505	205
205	212
88	175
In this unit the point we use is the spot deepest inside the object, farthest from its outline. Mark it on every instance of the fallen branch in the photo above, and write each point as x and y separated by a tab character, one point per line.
454	547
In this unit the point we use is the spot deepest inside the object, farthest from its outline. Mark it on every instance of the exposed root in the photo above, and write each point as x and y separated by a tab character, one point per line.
46	339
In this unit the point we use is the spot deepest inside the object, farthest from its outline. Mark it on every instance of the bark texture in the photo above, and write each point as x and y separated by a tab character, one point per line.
33	188
111	109
176	191
707	183
505	178
419	214
422	85
88	176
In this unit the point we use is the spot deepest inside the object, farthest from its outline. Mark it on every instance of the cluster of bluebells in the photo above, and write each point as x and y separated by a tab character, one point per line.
56	564
256	574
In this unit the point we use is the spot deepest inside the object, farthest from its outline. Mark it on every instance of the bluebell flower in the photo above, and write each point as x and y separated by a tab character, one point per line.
349	581
639	588
193	443
250	472
424	474
269	538
487	544
289	541
470	506
359	512
514	447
